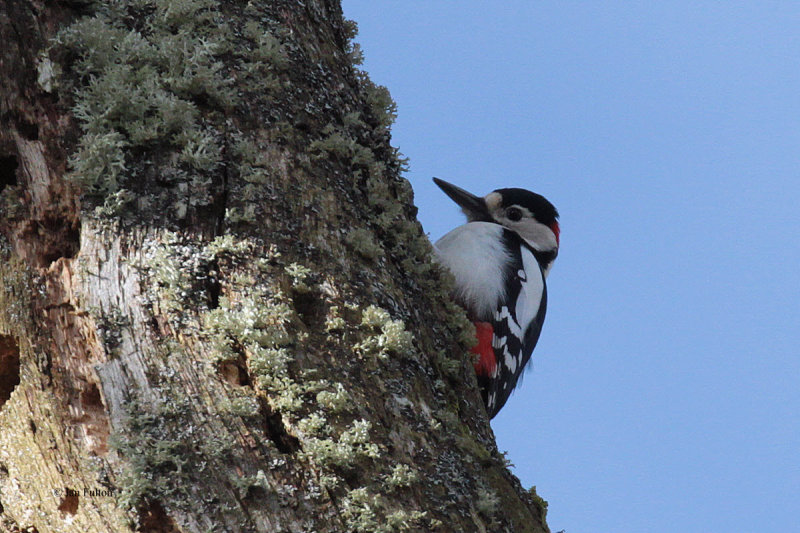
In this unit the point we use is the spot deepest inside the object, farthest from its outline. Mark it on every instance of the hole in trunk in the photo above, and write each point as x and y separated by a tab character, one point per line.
154	519
94	420
310	307
9	367
235	373
90	397
28	130
8	171
61	240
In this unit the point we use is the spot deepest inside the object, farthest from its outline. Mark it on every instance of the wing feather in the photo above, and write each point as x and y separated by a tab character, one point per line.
517	321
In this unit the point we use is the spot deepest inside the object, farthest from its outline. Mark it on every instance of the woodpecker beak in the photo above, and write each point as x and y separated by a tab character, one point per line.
473	206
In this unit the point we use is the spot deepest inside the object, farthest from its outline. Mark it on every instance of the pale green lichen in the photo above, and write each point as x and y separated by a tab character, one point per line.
362	511
243	406
244	484
115	203
140	90
435	524
314	425
47	73
298	274
256	322
449	366
402	476
147	93
200	149
230	245
487	503
340	145
235	216
180	269
256	172
388	195
157	457
285	394
330	481
364	244
384	335
402	520
375	317
384	108
266	59
358	510
353	444
100	163
269	365
336	401
268	49
540	502
334	322
254	165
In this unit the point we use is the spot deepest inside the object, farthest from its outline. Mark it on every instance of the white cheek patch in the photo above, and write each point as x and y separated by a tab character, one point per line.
540	237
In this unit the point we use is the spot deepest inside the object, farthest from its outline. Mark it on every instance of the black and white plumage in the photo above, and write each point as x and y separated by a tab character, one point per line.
500	260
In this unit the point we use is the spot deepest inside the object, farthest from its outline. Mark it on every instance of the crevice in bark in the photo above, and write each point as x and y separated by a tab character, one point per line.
8	171
8	524
213	286
221	200
3	477
9	367
276	431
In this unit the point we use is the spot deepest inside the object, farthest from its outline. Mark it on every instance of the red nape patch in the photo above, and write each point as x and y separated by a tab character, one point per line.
556	231
486	363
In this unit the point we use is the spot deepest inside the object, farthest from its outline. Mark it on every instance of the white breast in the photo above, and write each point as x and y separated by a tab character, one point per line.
475	255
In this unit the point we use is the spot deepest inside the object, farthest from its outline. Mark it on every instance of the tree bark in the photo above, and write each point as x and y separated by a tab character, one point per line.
218	311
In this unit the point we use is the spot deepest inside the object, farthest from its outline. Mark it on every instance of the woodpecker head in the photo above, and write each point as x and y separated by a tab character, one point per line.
526	213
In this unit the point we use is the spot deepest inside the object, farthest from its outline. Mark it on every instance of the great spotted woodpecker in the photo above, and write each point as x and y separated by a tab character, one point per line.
500	259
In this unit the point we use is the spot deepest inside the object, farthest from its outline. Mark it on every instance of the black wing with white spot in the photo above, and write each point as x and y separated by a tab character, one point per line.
517	322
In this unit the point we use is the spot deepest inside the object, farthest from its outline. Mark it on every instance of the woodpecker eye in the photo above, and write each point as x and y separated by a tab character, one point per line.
514	214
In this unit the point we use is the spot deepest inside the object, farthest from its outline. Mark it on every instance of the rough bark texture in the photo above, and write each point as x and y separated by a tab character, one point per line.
217	310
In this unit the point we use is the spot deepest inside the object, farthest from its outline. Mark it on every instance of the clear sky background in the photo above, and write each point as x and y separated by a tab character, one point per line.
664	394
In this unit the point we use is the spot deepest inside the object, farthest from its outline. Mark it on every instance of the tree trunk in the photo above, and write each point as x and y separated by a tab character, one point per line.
217	310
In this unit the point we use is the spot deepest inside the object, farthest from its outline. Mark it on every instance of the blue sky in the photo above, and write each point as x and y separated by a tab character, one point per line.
665	391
